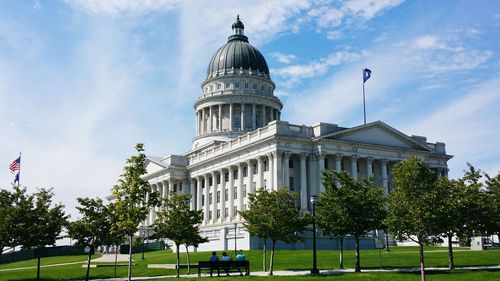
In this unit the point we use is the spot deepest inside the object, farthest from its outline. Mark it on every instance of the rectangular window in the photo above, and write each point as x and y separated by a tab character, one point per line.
226	212
255	86
292	188
235	194
218	179
254	169
227	85
226	194
218	213
209	215
210	181
290	163
266	167
244	190
219	86
218	196
235	174
226	177
235	211
342	168
210	198
237	85
245	172
203	200
211	88
180	186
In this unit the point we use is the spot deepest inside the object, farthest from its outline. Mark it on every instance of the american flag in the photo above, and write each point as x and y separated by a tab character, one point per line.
16	165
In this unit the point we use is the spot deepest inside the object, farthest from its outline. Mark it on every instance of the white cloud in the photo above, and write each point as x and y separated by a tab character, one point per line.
427	42
116	7
464	125
283	58
369	8
293	74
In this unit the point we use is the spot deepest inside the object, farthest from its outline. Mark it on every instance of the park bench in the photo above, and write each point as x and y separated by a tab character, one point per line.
225	266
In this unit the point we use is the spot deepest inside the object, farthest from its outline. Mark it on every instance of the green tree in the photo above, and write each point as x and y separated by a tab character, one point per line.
329	213
92	228
465	212
415	204
6	220
178	223
273	215
132	202
41	223
493	194
355	208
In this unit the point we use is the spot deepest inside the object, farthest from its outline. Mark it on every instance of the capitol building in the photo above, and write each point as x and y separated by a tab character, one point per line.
242	145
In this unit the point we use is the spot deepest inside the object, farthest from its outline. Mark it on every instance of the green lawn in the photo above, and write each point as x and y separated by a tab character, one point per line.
291	260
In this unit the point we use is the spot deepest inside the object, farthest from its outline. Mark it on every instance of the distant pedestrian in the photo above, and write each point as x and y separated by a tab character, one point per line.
214	257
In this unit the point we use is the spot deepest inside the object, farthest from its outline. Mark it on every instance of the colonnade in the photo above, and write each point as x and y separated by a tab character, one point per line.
164	189
234	117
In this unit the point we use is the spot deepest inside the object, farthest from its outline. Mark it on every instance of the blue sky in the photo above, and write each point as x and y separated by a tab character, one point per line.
82	81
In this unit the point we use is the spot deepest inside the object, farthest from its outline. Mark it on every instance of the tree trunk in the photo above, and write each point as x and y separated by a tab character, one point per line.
88	266
422	264
188	260
341	246
357	265
271	265
38	264
178	257
387	241
264	258
451	264
130	258
116	257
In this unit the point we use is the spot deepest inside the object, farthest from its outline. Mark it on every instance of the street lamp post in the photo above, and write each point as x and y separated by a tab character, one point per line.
314	199
235	230
143	232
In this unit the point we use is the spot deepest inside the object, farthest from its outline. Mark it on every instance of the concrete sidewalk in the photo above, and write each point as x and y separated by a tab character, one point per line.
111	258
307	272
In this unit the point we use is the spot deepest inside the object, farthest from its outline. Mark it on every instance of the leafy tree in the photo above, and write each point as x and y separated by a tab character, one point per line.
493	195
41	223
415	204
355	208
131	205
6	220
465	213
273	215
93	228
178	223
329	213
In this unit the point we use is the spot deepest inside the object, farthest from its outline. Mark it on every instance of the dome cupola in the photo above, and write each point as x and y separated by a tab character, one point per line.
238	93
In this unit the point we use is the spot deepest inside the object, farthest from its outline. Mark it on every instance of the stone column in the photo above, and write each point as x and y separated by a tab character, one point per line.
260	170
250	188
264	117
338	166
242	117
220	117
312	174
193	194
211	119
254	121
383	174
354	166
171	184
214	197
286	169
199	186
278	169
303	181
369	167
321	165
231	192
270	160
197	123
202	121
207	191
222	194
230	117
240	188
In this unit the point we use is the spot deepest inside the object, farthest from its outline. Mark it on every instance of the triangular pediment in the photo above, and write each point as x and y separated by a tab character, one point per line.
153	164
377	133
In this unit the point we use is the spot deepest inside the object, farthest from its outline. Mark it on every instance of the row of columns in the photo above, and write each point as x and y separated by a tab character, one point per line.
164	189
209	119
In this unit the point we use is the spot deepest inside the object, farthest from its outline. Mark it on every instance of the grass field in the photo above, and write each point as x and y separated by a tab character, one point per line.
399	257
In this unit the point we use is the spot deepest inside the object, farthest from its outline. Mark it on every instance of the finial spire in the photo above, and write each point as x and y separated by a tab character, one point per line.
238	26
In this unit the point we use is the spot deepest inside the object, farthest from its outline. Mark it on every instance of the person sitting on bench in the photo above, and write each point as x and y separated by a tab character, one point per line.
224	258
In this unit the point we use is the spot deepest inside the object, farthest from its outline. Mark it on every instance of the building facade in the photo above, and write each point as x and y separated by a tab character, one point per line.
241	145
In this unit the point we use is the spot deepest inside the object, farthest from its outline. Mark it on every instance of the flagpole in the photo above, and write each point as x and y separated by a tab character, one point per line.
364	104
19	172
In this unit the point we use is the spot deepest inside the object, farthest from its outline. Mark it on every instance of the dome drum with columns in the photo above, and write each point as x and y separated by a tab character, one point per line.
237	95
242	145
